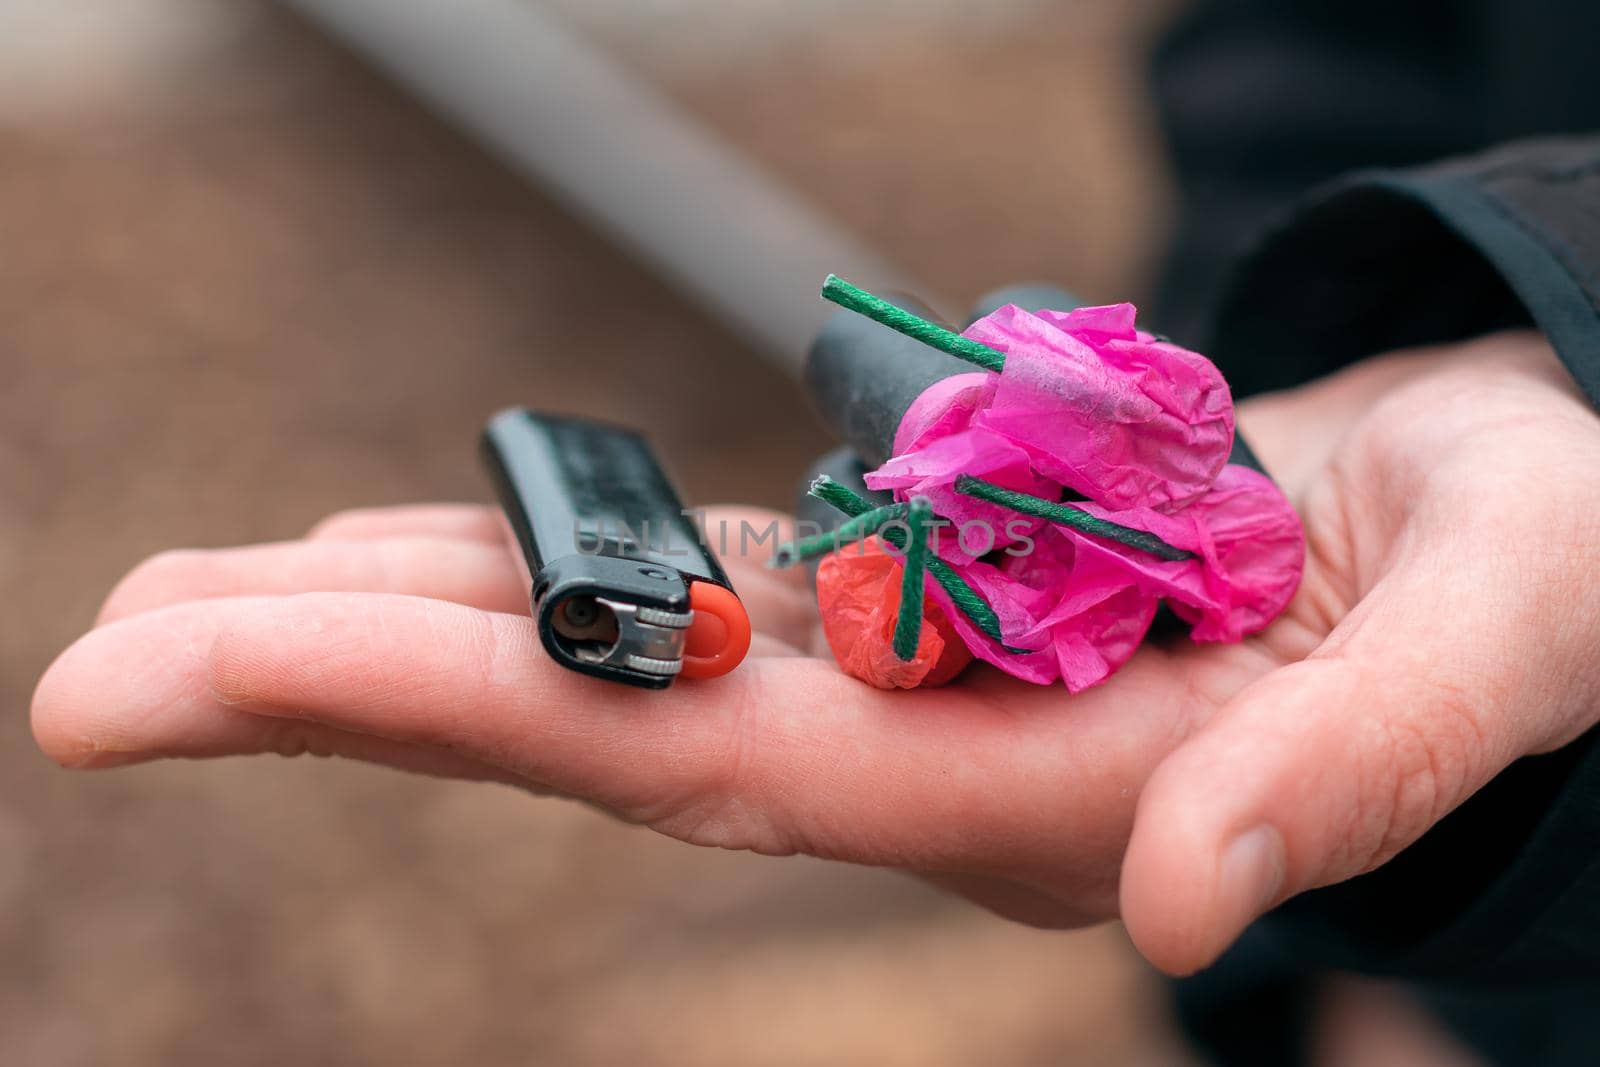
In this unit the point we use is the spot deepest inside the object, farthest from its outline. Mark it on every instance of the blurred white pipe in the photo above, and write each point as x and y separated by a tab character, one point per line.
613	151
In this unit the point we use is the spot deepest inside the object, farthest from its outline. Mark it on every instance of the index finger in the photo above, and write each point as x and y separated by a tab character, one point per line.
783	755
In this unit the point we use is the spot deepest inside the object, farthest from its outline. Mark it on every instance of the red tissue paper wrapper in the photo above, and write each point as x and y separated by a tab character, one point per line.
858	596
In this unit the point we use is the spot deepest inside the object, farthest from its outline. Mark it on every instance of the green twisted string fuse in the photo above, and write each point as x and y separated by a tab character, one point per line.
900	320
1067	515
908	625
965	598
857	529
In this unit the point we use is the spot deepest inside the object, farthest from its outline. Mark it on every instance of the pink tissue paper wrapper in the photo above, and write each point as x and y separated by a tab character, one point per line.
1140	427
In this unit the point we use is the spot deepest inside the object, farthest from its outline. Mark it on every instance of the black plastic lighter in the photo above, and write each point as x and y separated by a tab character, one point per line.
623	586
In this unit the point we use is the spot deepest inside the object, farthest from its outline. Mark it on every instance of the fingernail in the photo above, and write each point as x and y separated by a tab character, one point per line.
1250	878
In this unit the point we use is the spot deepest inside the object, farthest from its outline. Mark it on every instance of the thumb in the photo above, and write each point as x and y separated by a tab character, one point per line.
1326	768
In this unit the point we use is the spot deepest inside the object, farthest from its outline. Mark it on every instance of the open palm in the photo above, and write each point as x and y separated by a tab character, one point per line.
1240	773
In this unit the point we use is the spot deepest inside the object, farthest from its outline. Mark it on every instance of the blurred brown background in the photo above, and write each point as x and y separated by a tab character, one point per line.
245	282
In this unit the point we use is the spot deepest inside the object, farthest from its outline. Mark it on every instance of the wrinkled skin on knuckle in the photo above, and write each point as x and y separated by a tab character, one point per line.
760	791
1432	766
1390	802
1375	776
725	823
719	793
1444	738
716	806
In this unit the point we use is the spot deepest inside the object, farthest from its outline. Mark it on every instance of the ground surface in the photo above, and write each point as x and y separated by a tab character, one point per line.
243	283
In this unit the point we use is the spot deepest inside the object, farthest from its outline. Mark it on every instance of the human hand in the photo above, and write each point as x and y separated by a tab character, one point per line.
1445	494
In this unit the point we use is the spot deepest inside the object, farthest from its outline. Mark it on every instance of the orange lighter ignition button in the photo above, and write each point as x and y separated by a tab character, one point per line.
719	637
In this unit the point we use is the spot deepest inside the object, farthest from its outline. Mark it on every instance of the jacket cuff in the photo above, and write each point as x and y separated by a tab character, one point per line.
1507	887
1391	259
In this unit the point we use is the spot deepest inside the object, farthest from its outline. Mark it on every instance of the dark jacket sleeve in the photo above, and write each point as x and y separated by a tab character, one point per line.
1507	888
